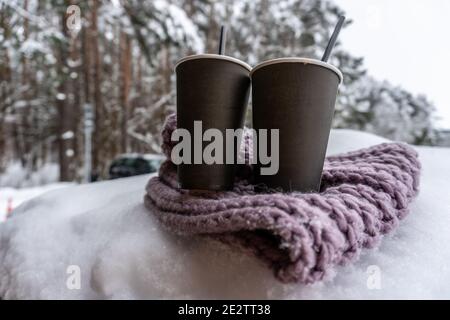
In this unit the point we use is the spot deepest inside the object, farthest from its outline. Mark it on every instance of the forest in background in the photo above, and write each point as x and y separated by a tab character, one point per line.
61	57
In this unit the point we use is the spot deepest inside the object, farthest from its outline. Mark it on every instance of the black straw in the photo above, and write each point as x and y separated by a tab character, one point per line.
333	39
223	38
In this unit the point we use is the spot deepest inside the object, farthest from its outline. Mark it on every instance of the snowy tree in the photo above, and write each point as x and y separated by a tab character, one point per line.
389	111
27	32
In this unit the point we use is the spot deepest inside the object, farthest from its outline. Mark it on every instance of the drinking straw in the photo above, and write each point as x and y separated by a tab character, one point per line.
223	36
333	39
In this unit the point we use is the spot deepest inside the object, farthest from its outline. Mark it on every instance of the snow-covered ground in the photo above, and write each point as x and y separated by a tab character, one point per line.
18	186
102	235
11	198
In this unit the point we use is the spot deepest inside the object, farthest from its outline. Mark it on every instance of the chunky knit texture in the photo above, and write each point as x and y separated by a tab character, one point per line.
301	237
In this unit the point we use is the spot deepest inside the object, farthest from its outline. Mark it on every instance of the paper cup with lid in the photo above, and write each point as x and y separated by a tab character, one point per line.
212	90
296	96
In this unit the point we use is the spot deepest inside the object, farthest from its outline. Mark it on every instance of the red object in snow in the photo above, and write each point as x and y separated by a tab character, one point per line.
9	208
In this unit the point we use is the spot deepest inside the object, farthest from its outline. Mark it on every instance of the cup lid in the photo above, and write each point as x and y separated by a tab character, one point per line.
213	56
299	60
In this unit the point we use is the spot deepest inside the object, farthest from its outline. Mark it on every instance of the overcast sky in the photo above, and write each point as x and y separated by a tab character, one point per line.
406	42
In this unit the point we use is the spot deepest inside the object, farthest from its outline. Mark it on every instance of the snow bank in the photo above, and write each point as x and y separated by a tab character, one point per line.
104	229
10	198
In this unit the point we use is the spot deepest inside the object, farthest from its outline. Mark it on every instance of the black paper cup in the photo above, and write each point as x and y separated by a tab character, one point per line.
296	96
213	89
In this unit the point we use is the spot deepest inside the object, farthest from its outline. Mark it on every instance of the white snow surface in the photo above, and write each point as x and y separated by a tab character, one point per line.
123	253
11	198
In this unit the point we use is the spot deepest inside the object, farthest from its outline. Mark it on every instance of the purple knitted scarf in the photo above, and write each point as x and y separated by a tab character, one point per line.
300	236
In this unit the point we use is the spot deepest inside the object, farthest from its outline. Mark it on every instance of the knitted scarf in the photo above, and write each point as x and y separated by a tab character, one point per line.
364	195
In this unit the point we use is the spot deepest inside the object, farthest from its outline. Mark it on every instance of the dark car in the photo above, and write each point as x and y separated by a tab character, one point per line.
128	165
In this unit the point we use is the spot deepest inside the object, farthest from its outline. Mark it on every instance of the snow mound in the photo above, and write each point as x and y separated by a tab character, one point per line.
11	198
121	252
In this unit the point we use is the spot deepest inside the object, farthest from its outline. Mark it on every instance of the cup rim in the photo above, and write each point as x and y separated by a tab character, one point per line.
301	60
213	56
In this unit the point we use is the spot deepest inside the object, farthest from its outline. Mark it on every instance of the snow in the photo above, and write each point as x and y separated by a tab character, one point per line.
30	46
16	176
173	23
104	229
11	198
60	96
67	135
